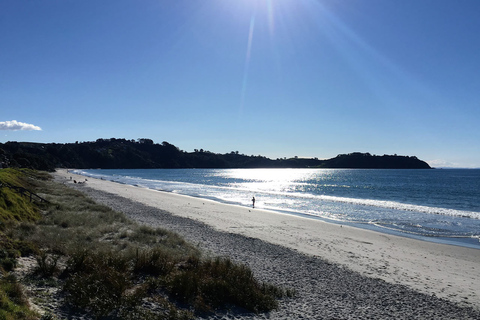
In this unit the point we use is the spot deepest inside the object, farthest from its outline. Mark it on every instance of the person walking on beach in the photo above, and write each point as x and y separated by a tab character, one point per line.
253	202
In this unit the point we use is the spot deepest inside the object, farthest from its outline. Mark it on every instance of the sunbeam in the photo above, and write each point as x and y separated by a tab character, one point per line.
247	62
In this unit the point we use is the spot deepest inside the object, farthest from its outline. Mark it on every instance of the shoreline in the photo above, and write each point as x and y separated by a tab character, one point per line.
468	241
446	271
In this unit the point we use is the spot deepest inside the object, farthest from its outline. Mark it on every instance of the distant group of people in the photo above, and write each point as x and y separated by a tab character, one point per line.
79	182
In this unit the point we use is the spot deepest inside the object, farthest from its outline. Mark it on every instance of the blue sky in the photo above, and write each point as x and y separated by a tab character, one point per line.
278	78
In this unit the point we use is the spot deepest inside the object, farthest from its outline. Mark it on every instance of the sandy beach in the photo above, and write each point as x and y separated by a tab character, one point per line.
338	271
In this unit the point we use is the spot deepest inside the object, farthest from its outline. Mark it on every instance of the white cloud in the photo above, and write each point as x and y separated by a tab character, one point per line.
439	163
14	125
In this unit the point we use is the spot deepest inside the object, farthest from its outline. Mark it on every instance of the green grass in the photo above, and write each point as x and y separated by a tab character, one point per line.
13	206
14	209
13	303
111	265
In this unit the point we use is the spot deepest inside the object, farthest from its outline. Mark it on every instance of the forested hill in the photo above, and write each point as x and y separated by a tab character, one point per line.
359	160
144	153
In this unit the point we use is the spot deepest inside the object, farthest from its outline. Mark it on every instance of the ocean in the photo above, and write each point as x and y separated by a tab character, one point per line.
440	205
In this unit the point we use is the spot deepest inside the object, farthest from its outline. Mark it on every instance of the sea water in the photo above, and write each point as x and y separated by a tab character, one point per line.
441	205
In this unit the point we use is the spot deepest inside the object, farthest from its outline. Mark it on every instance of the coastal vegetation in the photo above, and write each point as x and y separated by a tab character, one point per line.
144	153
104	264
358	160
14	209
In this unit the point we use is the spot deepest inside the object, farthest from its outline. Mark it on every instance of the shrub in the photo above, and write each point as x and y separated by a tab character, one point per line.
46	264
98	281
8	259
155	261
220	282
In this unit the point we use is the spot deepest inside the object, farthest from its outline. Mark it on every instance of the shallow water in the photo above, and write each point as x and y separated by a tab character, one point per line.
441	205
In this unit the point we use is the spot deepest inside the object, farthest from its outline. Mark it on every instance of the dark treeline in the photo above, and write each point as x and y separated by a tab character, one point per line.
144	153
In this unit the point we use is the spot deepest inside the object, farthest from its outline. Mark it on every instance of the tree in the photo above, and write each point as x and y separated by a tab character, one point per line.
146	141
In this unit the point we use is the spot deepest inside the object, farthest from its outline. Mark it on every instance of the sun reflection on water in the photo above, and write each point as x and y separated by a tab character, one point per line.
278	180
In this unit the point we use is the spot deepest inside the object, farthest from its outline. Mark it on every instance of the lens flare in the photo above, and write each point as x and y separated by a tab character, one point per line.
247	62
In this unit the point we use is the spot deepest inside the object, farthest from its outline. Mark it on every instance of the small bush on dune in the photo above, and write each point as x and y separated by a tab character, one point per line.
8	259
220	282
146	235
46	264
97	281
155	261
157	239
100	292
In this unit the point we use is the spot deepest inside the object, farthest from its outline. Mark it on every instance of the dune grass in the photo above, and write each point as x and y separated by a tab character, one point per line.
13	303
15	208
110	266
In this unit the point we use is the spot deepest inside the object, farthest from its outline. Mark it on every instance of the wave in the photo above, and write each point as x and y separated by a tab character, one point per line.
242	192
404	207
422	231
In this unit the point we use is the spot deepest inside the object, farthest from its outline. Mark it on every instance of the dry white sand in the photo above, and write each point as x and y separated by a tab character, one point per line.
446	271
